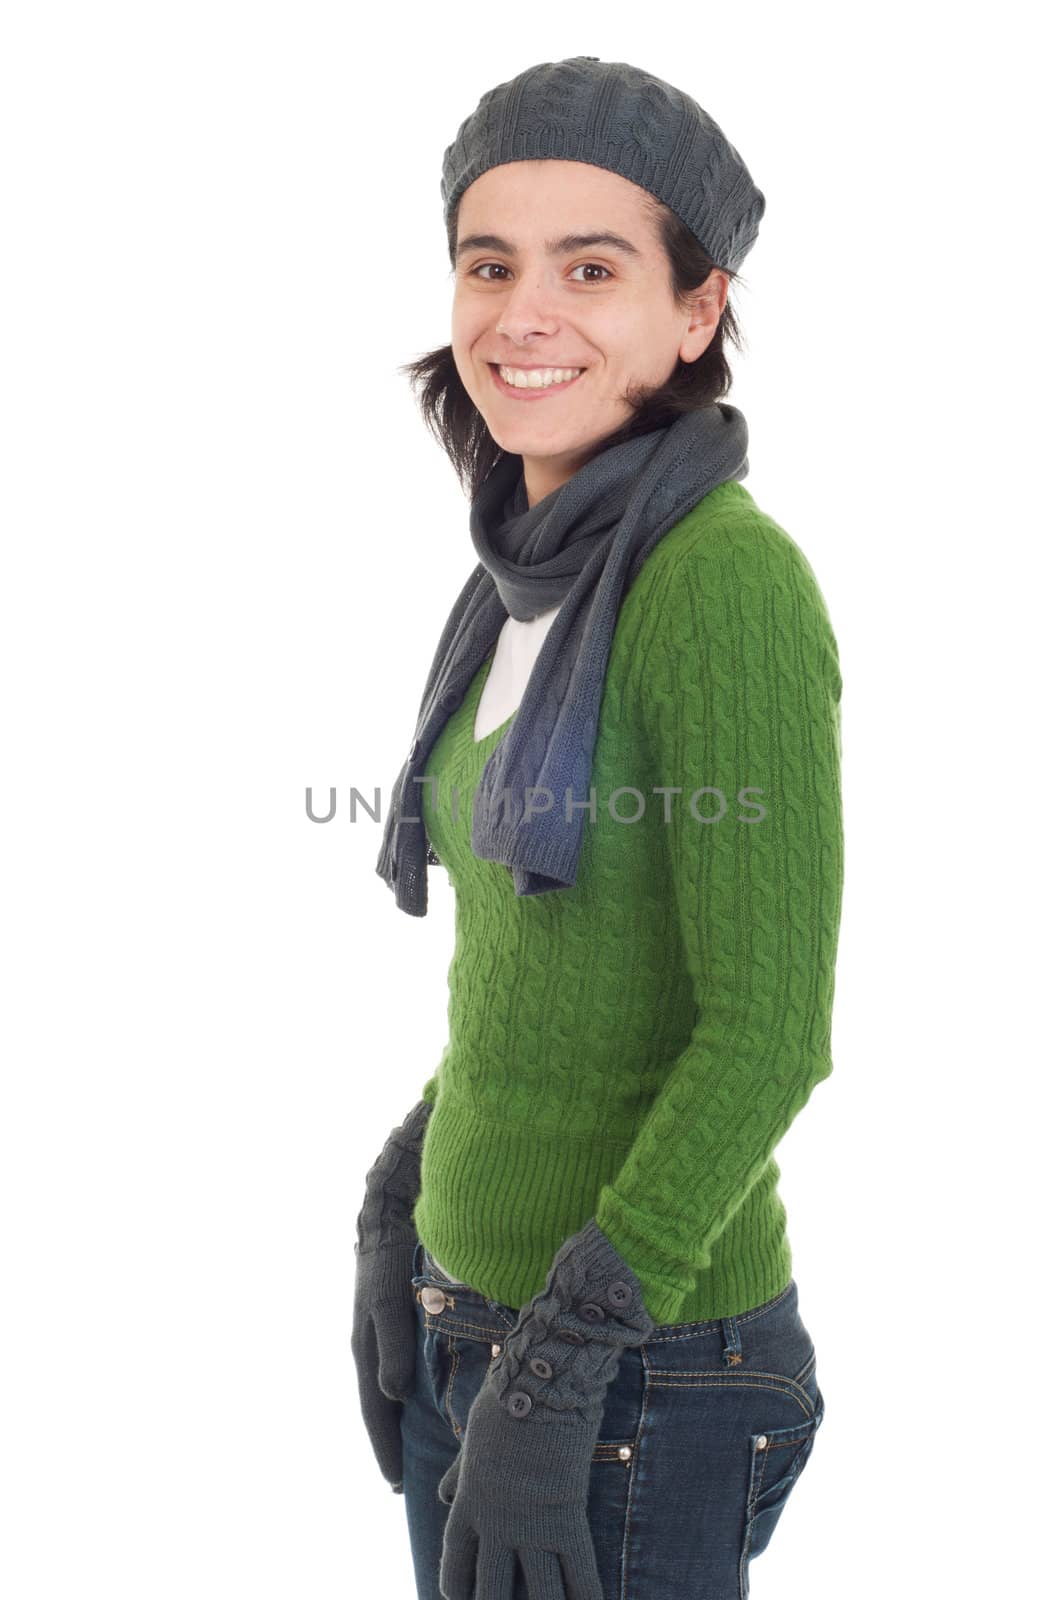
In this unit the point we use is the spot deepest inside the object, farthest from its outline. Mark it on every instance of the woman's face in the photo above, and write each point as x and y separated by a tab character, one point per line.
531	290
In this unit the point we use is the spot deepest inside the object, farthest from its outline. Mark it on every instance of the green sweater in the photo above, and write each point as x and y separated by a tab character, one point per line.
633	1048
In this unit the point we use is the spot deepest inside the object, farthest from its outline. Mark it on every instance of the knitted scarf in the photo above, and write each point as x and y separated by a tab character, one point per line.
581	546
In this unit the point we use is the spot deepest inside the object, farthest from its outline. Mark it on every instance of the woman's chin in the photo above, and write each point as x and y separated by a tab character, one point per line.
527	439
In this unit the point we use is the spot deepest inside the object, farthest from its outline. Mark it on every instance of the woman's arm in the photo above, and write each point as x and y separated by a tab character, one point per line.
740	689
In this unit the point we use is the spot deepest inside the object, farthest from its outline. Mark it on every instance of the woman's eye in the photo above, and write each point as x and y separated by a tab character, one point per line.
584	266
593	266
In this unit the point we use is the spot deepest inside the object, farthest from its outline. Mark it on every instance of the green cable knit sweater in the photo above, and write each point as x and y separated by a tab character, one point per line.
633	1048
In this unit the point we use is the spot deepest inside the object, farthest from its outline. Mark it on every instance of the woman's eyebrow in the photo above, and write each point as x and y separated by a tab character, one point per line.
555	247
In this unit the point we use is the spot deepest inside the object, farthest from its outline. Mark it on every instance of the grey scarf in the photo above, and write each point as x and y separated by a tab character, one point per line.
580	546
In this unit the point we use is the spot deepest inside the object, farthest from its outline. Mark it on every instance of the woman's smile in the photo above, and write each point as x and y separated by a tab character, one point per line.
537	390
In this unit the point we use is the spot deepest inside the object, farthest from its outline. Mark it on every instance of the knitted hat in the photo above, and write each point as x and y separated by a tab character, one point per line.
616	116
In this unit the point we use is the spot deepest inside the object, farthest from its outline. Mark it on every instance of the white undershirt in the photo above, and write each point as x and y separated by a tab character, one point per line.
518	645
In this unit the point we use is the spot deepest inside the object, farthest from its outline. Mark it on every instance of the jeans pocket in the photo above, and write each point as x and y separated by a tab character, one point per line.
776	1460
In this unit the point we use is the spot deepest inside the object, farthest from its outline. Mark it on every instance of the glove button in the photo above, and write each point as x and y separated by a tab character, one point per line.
618	1294
570	1336
541	1368
591	1311
519	1404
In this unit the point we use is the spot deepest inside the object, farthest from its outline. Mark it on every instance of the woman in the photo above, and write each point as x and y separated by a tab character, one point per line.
576	1331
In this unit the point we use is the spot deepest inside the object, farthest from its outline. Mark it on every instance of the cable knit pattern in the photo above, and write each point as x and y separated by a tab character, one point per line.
633	1049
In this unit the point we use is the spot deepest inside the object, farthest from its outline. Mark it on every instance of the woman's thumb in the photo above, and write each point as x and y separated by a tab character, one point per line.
448	1483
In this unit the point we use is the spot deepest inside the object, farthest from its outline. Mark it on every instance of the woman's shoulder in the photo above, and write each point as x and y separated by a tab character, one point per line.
724	545
727	580
728	534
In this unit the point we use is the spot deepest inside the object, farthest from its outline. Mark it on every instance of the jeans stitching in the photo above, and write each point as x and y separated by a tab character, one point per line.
696	1329
806	1372
756	1478
727	1380
463	1330
629	1503
455	1359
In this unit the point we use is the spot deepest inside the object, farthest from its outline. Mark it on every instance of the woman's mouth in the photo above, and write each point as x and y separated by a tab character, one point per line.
537	382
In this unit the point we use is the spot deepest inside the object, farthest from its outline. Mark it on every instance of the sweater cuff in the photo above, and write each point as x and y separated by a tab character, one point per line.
667	1283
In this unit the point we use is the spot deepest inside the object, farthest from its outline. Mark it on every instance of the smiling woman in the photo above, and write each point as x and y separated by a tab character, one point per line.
448	405
543	304
580	1355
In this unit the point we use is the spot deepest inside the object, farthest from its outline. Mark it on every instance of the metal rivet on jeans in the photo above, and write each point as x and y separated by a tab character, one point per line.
496	1350
624	1452
762	1442
519	1404
433	1299
541	1368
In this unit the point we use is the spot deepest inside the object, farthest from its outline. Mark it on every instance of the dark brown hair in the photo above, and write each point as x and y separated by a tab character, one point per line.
691	386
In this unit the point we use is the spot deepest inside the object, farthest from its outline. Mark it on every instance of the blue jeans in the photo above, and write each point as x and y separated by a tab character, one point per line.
707	1427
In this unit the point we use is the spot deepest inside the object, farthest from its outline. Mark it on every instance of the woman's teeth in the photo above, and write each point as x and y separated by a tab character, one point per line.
538	377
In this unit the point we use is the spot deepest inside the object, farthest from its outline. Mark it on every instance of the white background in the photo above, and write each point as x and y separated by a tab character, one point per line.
229	548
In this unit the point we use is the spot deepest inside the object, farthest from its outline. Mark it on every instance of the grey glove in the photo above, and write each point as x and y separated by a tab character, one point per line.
384	1336
518	1488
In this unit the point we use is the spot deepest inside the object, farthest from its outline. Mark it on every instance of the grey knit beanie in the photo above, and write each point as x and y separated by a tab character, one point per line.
613	115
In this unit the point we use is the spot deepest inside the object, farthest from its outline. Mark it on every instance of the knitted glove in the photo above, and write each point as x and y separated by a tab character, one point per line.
384	1336
519	1486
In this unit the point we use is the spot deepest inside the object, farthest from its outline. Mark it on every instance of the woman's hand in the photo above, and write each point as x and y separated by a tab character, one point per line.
519	1487
384	1335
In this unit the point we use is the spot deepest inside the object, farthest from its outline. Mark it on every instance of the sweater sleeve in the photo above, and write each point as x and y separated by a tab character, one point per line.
740	689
